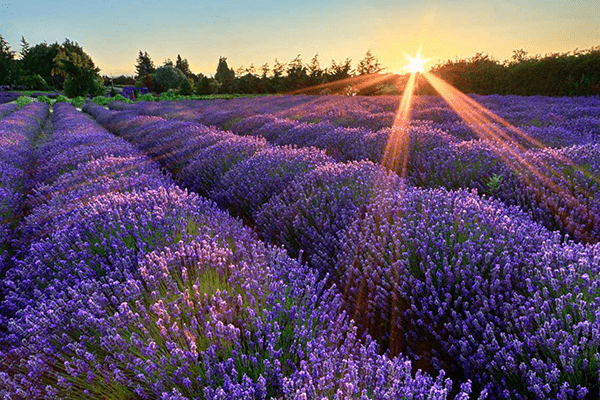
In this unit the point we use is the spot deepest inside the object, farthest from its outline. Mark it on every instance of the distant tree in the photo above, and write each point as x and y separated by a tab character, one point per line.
125	80
144	65
277	82
39	60
168	63
225	76
337	71
369	65
184	66
518	56
278	69
203	84
74	53
297	76
186	87
315	73
6	63
240	71
266	84
168	77
25	48
247	81
80	80
265	70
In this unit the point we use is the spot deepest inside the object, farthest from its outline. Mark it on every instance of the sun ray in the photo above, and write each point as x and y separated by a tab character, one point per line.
491	128
395	156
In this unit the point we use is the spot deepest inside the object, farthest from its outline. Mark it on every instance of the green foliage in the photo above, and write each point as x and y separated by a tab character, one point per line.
6	63
184	66
225	77
186	87
35	82
62	99
80	79
146	97
572	73
45	99
77	71
203	85
23	101
369	65
122	98
39	60
495	183
103	101
169	77
144	65
78	101
170	96
297	76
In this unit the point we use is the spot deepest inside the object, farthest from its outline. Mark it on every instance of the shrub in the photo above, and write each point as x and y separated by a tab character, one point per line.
186	87
62	99
169	77
146	97
78	101
23	101
45	99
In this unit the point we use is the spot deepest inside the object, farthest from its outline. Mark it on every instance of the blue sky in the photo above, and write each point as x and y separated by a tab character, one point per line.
255	32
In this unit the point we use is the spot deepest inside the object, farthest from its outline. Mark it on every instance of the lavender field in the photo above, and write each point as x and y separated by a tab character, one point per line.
267	247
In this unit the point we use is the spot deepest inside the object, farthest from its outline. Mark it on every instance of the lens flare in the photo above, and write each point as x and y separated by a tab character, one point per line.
415	64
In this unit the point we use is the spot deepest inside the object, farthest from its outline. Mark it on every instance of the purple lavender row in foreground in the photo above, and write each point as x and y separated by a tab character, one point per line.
18	132
135	288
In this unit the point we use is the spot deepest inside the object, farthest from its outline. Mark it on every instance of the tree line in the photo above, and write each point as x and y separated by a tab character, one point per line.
280	78
66	66
575	73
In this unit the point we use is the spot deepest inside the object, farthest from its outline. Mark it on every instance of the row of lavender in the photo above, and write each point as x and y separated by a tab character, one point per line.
453	280
559	187
6	97
554	121
131	287
18	130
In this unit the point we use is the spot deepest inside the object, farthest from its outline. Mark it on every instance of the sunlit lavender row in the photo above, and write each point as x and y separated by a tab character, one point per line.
126	286
479	281
556	147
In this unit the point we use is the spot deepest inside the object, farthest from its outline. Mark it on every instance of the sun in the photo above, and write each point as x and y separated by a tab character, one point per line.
415	64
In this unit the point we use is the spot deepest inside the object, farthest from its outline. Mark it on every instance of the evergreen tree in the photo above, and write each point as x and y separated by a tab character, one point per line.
339	71
315	72
39	60
369	65
225	76
25	48
184	66
6	63
265	70
277	79
144	65
296	74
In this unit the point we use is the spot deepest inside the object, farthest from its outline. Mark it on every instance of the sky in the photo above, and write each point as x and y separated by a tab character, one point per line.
248	32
